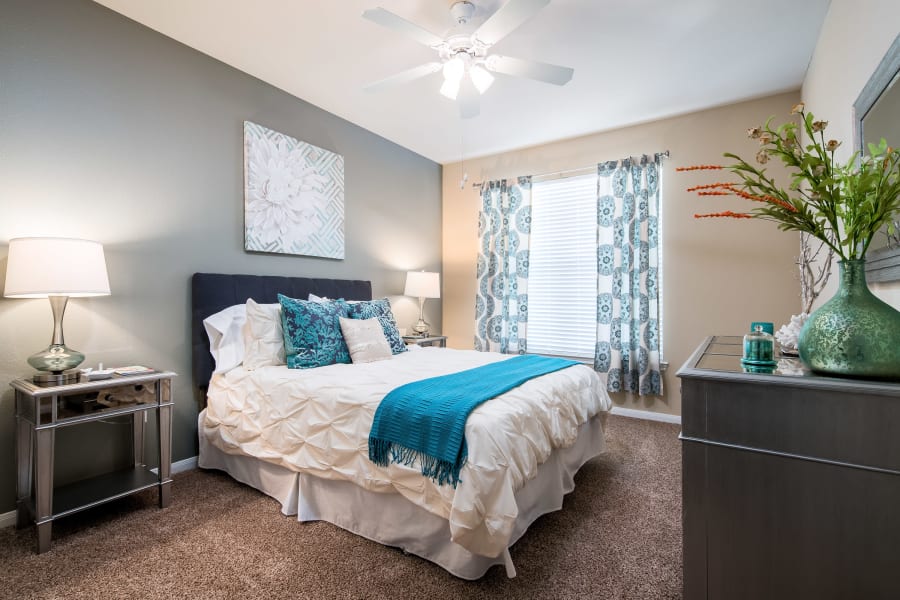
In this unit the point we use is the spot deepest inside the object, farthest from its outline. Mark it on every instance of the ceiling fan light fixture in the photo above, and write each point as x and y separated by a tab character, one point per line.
481	79
464	55
450	88
454	69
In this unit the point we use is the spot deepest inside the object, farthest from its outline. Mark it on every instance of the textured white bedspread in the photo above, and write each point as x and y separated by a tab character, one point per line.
317	421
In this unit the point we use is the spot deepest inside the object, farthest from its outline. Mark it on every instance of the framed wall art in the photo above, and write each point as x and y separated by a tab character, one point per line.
293	195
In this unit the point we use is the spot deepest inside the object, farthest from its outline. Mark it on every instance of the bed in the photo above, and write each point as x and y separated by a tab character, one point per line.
300	436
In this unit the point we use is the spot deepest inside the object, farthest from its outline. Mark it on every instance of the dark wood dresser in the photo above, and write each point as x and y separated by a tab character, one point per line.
791	481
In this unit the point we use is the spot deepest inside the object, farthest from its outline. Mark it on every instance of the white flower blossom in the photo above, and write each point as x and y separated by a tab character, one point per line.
285	194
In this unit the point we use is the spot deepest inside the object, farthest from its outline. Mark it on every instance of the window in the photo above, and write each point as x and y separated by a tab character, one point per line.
562	273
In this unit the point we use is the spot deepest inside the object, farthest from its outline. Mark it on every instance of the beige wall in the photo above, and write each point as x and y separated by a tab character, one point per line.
851	44
718	275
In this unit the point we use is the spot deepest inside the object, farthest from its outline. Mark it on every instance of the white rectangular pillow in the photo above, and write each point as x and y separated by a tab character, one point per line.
226	337
365	340
263	336
321	299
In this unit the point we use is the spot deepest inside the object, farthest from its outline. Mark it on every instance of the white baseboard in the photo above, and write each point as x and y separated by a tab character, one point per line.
8	519
180	466
646	414
184	465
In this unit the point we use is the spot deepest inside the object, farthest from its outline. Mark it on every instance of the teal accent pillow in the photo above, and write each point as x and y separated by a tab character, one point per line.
312	333
381	310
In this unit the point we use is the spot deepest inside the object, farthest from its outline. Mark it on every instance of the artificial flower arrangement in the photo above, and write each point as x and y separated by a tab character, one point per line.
843	205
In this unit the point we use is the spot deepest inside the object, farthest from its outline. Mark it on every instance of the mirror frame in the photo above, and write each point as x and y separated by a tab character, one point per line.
882	265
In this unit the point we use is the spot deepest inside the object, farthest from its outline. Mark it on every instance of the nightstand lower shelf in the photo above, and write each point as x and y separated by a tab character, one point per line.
87	493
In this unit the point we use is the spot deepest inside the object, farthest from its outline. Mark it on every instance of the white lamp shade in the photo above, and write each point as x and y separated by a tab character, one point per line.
423	284
41	267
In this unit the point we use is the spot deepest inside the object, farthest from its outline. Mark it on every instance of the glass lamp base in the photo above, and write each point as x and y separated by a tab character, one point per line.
56	359
421	328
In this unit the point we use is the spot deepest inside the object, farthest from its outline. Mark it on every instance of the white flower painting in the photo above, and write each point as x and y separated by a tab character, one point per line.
293	195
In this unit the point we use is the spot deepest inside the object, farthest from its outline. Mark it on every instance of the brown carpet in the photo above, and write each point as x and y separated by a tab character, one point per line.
618	536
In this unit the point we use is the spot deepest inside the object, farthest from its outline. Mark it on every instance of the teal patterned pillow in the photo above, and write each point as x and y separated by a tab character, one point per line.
312	333
380	309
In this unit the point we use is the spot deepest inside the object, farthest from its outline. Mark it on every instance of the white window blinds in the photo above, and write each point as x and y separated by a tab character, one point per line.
562	275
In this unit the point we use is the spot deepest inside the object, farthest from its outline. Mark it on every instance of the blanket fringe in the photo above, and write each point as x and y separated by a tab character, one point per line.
382	452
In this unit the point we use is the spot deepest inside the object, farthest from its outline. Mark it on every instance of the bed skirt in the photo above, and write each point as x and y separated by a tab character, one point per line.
397	521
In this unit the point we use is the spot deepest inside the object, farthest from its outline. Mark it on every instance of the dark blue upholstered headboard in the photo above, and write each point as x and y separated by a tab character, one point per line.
211	292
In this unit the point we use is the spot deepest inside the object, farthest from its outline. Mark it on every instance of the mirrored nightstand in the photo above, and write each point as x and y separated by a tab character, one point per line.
40	411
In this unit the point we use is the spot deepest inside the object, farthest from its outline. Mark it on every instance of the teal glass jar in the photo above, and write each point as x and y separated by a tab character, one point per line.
759	348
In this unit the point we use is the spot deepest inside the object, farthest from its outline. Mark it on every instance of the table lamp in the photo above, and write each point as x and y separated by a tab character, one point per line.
422	284
55	268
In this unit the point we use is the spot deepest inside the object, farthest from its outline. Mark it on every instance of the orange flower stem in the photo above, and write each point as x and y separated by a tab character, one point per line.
769	199
727	213
709	186
700	168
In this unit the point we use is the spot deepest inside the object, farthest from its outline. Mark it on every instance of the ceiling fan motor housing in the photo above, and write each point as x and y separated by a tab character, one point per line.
462	45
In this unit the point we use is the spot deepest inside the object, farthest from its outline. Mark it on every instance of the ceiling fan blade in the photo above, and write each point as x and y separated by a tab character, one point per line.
531	69
469	100
507	18
404	76
386	18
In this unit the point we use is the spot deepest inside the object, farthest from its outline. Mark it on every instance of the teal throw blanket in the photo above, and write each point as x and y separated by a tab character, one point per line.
426	420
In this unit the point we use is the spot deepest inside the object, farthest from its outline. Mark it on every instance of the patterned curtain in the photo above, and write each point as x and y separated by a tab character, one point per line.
628	333
501	302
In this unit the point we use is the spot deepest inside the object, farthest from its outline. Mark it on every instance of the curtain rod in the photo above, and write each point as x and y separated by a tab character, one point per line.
559	174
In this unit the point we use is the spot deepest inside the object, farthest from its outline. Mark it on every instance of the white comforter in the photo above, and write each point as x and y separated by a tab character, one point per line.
317	421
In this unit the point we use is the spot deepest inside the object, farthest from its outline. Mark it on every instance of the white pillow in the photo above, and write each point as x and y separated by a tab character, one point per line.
323	299
365	340
226	337
263	336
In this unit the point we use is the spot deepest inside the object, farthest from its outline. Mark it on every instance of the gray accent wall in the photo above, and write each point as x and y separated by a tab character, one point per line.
113	132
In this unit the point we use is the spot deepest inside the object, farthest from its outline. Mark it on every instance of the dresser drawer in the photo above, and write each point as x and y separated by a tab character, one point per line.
843	426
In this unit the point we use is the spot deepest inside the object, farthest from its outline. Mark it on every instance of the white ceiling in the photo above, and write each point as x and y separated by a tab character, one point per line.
634	61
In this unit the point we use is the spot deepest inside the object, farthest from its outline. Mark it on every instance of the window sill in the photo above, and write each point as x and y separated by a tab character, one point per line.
663	365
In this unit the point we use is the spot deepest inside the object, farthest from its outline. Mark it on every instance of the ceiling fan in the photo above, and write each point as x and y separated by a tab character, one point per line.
464	57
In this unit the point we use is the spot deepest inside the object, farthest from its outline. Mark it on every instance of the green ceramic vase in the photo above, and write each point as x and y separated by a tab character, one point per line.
854	334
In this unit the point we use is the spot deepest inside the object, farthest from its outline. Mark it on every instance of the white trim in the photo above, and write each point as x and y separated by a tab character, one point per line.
646	414
8	519
188	464
180	466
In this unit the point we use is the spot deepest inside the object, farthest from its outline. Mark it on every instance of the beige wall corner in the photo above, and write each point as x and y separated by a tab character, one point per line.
718	275
853	40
